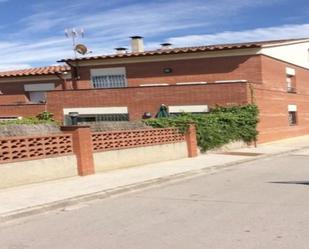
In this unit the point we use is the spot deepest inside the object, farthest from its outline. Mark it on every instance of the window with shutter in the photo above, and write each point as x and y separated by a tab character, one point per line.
109	78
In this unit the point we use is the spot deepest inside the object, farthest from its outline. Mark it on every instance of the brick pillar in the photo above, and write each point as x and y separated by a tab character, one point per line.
82	147
191	141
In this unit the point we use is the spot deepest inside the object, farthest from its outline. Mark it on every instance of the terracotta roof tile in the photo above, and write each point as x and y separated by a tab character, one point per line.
217	47
35	71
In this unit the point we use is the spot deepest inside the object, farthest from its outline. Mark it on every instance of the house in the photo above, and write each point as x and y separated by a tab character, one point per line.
126	85
23	92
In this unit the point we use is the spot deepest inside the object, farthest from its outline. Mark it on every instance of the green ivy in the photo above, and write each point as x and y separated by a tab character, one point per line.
221	126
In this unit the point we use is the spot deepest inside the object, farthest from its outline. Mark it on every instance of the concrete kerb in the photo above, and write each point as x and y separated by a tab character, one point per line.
58	205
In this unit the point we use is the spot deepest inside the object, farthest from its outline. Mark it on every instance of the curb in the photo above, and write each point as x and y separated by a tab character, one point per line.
22	213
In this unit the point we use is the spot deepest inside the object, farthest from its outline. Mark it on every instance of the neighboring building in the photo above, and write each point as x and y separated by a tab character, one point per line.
23	92
125	85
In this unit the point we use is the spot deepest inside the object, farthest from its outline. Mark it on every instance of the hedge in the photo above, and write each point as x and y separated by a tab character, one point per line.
221	126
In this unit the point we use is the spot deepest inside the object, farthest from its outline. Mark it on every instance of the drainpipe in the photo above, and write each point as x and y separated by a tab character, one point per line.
251	89
251	93
75	73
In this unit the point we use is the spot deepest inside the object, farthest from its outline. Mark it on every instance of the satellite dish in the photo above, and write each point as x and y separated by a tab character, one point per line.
81	49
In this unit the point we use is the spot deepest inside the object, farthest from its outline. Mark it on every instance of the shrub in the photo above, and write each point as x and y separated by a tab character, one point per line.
42	118
46	116
221	126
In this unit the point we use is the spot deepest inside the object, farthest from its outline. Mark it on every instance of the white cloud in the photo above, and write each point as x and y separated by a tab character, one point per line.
114	21
270	33
19	55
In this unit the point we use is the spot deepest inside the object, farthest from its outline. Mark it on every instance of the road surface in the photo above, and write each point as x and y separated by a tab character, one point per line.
262	204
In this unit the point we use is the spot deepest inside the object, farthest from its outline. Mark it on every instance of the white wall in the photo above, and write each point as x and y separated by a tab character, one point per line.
26	172
188	108
124	158
295	53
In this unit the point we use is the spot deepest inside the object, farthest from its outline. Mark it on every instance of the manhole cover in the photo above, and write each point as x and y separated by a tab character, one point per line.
241	153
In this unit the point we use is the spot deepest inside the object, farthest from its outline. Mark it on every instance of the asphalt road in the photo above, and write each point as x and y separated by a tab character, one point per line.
262	204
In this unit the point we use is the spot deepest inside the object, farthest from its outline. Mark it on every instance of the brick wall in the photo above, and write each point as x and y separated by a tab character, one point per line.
31	159
14	149
13	92
147	99
21	110
188	70
271	95
274	75
115	140
13	99
273	100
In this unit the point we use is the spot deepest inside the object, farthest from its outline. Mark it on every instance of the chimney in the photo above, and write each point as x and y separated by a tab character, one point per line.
121	50
166	46
137	44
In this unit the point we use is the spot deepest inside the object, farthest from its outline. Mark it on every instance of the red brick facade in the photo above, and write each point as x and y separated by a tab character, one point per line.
148	99
26	110
265	75
273	99
14	93
185	70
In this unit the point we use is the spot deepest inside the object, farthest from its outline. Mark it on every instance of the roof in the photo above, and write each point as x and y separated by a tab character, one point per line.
49	70
218	47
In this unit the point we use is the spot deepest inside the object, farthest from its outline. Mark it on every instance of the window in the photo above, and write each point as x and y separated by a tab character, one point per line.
192	109
197	109
103	118
292	110
37	97
290	80
108	78
175	114
97	114
292	118
36	92
109	81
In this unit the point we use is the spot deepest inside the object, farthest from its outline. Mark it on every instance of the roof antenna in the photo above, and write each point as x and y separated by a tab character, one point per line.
74	34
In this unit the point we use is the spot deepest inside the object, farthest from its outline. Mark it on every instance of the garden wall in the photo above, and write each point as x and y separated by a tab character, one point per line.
121	149
78	151
33	159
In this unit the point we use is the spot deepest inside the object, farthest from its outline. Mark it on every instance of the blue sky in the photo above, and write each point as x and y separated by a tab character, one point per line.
32	31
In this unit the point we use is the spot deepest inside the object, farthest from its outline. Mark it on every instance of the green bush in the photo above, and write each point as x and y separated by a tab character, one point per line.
46	116
221	126
42	118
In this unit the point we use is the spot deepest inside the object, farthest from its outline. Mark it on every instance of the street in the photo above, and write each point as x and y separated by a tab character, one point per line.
261	204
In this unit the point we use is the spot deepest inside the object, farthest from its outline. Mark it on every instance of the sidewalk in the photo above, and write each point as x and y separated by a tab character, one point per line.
41	197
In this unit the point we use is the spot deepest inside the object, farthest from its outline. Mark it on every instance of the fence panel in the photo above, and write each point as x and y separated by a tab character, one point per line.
36	147
103	141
